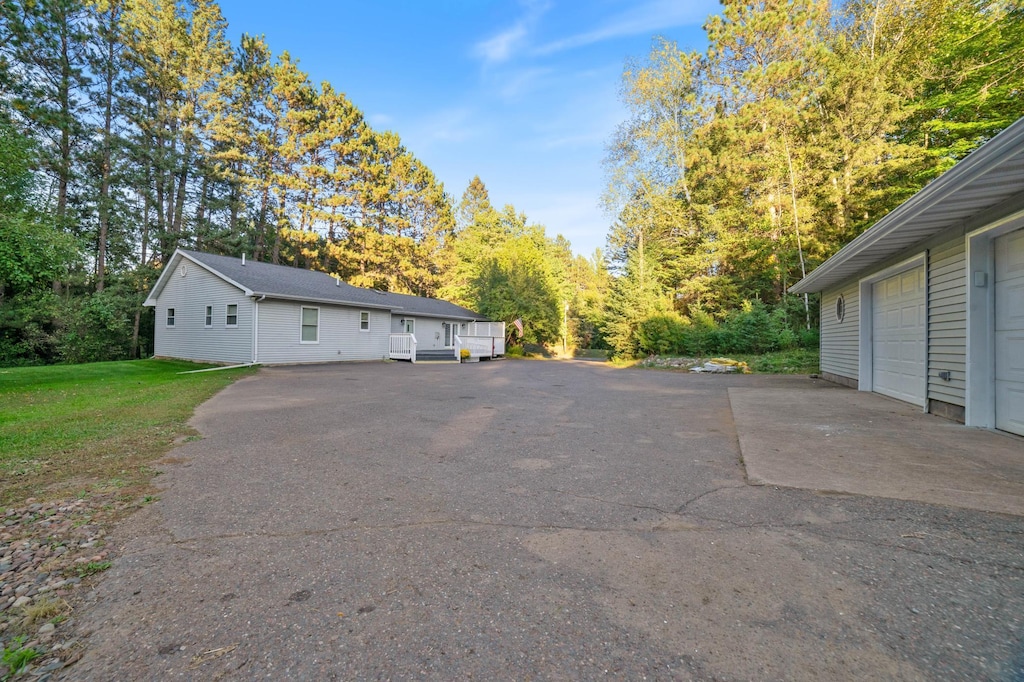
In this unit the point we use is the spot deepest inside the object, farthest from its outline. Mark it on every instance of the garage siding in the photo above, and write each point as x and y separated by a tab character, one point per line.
339	336
190	338
839	339
947	322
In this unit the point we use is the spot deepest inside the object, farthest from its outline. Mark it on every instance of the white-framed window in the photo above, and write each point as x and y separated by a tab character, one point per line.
170	317
231	315
310	325
208	320
409	325
364	321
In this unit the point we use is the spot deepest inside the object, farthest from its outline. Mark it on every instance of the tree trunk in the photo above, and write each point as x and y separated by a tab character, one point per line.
104	199
135	335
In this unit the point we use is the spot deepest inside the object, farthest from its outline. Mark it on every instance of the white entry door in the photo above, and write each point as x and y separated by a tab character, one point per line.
1009	332
897	336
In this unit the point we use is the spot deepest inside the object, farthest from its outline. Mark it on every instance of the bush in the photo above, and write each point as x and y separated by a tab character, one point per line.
661	334
701	336
753	329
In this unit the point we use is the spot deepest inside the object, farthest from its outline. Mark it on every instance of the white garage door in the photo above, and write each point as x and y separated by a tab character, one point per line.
1010	332
897	336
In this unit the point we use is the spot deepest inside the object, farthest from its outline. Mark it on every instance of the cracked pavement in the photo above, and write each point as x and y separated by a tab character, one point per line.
531	520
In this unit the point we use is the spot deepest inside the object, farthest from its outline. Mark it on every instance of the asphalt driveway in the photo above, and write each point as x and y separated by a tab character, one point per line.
532	520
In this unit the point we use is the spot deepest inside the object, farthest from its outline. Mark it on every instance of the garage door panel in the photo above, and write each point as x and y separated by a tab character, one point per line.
1010	356
1010	256
1010	410
898	350
1009	332
1010	304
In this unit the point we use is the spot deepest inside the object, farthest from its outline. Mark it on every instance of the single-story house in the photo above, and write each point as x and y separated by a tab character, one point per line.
927	306
223	309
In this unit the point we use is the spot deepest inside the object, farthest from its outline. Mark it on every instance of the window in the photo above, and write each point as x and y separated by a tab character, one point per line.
231	318
208	322
170	317
310	325
364	321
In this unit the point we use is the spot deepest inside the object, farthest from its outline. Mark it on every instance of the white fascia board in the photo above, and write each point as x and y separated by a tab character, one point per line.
322	301
440	316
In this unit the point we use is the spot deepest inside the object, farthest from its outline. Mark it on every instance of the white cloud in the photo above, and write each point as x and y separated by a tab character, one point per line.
505	45
649	17
500	47
514	84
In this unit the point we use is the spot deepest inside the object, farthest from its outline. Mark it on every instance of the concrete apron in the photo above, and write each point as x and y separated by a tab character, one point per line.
862	443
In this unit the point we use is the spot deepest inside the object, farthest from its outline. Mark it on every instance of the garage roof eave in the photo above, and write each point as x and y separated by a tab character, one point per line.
988	176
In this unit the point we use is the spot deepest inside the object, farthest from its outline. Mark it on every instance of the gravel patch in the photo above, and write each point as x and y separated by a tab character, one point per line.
48	553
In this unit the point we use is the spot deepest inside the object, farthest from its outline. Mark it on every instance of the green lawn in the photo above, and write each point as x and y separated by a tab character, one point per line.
799	361
71	428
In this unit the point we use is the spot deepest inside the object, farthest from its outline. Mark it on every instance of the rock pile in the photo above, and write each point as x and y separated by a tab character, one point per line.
47	550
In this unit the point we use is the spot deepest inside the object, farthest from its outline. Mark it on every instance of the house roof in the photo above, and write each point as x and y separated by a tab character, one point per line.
289	283
987	177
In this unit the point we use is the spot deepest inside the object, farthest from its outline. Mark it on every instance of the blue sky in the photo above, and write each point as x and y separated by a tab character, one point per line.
523	94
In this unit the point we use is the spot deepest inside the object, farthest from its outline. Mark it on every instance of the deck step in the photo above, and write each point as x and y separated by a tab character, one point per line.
436	356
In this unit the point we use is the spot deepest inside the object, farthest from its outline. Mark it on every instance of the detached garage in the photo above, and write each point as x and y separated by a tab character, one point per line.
927	306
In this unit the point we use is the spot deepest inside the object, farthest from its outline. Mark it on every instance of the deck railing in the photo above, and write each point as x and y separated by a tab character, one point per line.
402	347
492	329
479	346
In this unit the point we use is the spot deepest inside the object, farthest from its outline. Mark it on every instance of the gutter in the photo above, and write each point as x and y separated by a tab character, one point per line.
326	301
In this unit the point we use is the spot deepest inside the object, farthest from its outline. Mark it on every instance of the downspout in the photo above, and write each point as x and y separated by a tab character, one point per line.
256	328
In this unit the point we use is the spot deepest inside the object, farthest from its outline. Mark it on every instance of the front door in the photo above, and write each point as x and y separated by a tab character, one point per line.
449	334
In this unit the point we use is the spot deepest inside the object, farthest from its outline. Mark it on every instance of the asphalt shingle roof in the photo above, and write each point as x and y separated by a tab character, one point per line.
282	281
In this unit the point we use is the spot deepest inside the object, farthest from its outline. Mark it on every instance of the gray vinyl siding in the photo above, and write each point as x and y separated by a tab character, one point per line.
839	340
339	335
190	339
947	322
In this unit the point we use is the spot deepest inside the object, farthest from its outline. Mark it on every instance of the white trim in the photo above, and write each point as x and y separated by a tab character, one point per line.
170	315
302	325
208	317
865	372
367	313
325	301
227	307
980	398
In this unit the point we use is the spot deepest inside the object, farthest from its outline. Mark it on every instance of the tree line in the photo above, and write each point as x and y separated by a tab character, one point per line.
743	166
129	128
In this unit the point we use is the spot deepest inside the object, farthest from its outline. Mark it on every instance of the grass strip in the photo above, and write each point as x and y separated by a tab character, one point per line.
70	429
